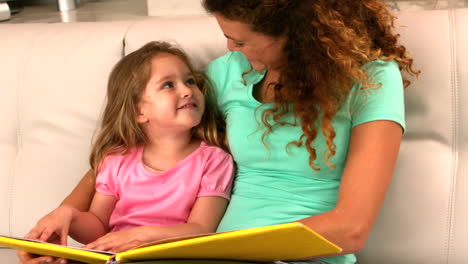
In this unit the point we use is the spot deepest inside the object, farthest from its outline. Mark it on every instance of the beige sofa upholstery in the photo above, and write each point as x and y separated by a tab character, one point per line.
52	87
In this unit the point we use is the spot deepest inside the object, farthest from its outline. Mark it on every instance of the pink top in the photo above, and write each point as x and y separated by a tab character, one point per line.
165	198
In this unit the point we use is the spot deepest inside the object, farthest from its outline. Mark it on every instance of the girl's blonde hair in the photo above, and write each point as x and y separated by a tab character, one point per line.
119	129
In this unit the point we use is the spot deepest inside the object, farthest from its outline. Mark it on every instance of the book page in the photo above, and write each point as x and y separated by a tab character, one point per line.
47	243
173	239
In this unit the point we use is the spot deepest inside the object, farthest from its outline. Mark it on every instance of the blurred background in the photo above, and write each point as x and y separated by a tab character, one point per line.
57	11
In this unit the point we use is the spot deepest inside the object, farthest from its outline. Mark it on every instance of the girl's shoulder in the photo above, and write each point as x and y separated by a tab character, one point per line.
213	151
119	155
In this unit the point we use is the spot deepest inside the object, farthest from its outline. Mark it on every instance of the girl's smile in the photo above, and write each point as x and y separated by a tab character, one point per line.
172	99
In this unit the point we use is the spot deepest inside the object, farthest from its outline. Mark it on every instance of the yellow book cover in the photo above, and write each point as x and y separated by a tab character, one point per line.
269	243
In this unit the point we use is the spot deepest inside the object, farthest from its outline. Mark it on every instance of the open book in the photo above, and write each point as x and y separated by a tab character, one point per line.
270	243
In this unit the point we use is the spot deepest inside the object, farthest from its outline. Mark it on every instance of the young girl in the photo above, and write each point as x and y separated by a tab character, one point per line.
161	168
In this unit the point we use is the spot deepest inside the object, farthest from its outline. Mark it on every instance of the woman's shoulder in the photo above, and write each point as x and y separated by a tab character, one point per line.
226	70
232	57
379	66
231	61
382	72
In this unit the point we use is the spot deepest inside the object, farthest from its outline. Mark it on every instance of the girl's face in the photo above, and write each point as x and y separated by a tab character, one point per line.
171	101
262	51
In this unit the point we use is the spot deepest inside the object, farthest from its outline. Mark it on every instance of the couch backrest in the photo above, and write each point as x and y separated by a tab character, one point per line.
52	85
425	214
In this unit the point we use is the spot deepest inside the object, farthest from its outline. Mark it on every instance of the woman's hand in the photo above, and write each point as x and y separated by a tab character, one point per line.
28	258
121	240
56	223
52	228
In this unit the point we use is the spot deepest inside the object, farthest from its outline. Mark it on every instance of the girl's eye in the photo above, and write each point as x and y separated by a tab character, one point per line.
191	82
168	85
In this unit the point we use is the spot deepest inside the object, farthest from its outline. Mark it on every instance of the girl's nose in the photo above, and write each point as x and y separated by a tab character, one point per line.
187	92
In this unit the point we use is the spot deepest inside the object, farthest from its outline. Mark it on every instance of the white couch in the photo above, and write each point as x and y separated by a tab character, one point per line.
52	87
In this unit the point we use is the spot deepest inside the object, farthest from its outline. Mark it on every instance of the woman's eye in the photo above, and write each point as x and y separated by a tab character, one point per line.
238	44
168	85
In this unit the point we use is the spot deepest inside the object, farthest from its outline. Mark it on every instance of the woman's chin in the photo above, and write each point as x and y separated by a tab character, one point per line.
258	66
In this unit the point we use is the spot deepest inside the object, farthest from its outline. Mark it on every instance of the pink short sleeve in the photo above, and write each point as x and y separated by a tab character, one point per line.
105	182
217	179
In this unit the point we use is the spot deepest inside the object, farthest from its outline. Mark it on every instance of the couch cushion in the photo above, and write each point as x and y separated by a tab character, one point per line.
421	221
51	100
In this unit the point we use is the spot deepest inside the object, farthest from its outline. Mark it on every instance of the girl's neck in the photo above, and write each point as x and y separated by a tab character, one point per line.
172	143
162	153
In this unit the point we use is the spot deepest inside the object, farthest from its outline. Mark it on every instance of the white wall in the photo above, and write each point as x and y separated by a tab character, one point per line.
174	7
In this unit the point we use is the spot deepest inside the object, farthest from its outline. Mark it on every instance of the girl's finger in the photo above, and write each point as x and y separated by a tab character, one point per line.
127	246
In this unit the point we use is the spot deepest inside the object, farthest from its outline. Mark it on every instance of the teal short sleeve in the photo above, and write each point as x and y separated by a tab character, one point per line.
385	102
225	73
217	72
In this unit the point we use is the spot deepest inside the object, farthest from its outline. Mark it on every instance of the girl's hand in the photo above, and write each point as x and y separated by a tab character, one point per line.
52	228
121	240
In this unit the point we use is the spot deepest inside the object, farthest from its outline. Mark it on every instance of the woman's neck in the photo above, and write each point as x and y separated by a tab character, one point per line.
263	92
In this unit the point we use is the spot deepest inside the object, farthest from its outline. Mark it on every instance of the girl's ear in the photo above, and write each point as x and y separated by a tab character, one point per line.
141	117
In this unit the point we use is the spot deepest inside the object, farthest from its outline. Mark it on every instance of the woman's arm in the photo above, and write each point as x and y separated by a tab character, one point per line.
371	159
82	195
204	218
45	229
80	198
86	227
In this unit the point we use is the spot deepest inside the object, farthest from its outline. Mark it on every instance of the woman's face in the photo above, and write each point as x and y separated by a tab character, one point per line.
262	51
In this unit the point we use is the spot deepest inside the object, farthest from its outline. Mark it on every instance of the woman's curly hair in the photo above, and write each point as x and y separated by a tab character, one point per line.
327	43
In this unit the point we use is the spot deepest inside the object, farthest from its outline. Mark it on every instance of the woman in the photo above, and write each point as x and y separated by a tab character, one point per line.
313	98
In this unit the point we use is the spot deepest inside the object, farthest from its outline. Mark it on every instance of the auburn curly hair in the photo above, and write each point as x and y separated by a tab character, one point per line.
327	43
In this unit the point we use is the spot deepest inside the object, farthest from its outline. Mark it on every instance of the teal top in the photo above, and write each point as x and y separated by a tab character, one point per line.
275	184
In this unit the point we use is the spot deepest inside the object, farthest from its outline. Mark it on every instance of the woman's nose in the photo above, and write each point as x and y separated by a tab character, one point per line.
230	45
